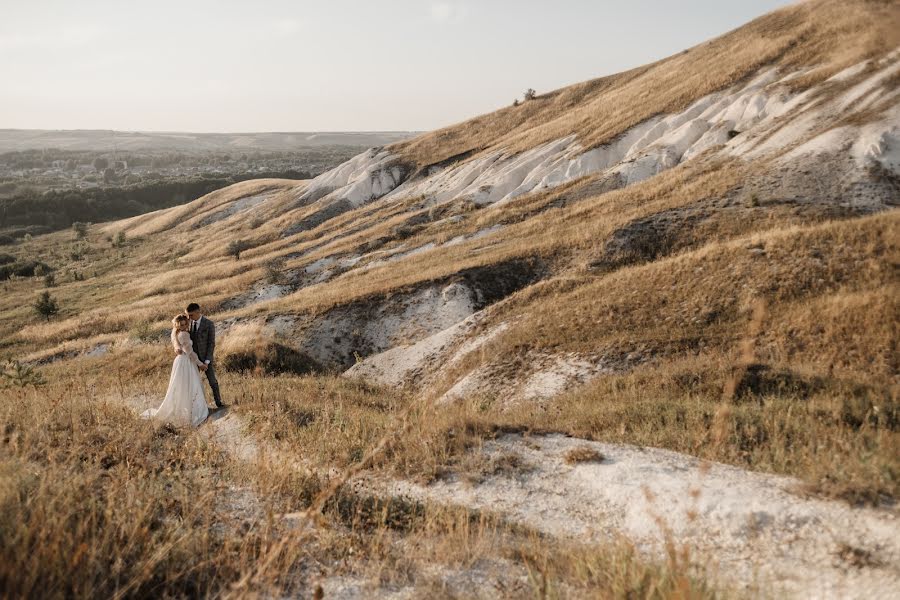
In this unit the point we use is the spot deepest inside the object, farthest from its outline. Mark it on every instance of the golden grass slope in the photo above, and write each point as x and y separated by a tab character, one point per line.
826	275
820	36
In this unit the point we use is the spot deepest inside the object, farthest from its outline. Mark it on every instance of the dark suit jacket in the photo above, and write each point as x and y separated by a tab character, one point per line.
204	339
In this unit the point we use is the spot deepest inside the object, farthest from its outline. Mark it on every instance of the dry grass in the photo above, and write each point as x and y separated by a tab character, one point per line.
829	288
141	288
95	502
840	436
583	454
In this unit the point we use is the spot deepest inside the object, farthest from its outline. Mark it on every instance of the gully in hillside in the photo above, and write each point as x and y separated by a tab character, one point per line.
194	340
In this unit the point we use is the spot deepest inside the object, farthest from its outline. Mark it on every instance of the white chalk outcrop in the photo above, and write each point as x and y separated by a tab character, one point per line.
361	179
757	118
346	334
760	117
748	528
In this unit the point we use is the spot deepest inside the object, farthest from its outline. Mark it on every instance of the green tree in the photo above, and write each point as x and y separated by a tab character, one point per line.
15	374
46	305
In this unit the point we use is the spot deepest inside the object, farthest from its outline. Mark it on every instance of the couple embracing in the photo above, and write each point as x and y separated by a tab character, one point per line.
194	339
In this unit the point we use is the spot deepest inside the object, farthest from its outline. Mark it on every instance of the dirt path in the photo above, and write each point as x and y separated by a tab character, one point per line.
750	529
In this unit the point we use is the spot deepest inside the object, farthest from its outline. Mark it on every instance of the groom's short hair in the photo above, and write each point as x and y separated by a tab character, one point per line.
193	306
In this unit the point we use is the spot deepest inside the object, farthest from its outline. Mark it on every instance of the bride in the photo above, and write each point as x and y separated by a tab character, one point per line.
185	403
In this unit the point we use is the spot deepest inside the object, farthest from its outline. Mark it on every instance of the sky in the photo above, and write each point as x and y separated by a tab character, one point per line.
324	65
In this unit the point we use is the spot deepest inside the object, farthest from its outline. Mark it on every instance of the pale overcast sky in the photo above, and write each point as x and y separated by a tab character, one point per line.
324	65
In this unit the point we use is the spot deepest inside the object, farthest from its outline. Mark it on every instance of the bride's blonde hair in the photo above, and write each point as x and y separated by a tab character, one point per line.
179	319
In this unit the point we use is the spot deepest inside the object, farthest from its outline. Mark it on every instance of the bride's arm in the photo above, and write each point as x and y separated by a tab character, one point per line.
188	347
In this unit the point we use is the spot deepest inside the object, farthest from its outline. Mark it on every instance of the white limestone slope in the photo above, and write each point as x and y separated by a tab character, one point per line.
733	119
363	178
747	528
763	116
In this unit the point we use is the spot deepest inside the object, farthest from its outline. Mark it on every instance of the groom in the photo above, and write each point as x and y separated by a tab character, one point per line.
203	336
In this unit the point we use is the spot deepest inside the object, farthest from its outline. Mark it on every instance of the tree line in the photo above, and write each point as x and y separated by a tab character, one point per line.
37	212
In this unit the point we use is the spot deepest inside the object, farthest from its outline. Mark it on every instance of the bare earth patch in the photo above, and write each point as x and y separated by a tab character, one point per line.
747	528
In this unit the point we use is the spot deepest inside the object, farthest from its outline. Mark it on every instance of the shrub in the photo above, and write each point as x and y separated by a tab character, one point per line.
530	94
582	454
143	332
46	305
80	229
235	247
271	358
28	268
15	374
5	259
275	271
77	252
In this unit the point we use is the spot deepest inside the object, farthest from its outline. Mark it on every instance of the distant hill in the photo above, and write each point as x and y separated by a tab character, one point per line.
107	140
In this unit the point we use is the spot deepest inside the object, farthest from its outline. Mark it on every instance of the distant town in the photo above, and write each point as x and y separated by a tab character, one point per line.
48	159
48	169
50	179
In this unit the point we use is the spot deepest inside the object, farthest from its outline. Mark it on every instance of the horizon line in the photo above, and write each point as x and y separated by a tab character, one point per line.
218	132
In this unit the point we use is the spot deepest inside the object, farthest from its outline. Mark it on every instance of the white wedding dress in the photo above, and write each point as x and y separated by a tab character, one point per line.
185	403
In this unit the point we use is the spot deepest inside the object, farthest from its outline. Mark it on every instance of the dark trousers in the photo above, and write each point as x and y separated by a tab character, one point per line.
214	384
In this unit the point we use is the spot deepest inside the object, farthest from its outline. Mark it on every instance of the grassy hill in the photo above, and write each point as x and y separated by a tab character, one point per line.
696	255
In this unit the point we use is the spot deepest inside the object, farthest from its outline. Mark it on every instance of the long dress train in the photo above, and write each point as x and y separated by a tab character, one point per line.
184	403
